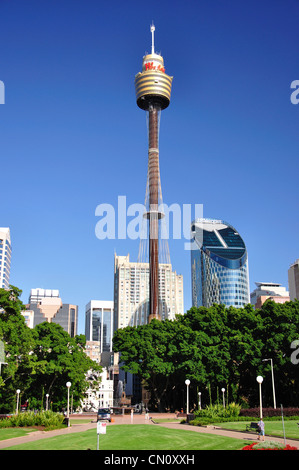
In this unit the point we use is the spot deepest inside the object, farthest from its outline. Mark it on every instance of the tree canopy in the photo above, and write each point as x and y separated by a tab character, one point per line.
215	347
39	361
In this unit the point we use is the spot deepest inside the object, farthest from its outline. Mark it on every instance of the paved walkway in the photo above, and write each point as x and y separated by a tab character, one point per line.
138	419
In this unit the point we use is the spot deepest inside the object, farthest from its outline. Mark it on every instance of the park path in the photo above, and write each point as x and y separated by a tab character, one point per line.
137	419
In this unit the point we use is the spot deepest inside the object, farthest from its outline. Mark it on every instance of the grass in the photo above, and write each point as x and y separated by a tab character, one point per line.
10	433
137	437
272	428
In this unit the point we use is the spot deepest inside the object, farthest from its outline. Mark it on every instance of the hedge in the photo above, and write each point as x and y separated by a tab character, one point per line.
269	412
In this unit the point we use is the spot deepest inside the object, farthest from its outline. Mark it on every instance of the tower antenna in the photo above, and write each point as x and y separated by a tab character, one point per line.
153	33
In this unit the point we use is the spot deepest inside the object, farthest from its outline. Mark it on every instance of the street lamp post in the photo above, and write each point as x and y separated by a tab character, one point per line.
187	382
260	379
18	395
199	400
47	401
223	390
68	384
273	386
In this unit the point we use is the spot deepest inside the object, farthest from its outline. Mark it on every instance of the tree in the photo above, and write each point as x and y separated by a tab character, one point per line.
18	342
162	354
279	328
39	361
215	347
59	359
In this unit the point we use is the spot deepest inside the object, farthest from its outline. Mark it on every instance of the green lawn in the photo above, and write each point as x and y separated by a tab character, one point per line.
136	437
9	433
273	428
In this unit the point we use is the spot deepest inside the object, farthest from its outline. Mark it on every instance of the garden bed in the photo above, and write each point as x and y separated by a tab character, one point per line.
268	445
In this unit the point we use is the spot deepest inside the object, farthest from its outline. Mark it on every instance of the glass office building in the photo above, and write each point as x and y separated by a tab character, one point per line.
99	323
219	265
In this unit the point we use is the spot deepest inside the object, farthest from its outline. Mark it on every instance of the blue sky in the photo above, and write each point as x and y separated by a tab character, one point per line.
72	137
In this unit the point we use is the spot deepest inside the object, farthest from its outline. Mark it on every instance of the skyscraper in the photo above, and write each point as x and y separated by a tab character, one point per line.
5	257
99	323
46	305
131	292
293	276
219	265
153	89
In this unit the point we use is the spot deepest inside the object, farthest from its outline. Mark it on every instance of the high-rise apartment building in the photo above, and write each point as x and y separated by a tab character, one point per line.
219	265
131	292
268	290
5	257
293	275
46	305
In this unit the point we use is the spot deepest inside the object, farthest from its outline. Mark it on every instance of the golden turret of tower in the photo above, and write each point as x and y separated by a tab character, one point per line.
153	85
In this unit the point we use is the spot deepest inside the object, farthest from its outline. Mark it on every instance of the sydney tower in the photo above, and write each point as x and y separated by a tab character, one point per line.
153	89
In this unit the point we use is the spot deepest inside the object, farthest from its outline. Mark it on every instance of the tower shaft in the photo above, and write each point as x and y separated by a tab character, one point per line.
153	172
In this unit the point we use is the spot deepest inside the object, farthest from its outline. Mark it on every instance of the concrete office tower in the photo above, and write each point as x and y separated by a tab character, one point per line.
47	305
131	292
293	275
219	265
268	290
5	257
153	89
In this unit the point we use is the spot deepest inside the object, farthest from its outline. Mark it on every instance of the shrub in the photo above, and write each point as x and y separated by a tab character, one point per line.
49	419
232	410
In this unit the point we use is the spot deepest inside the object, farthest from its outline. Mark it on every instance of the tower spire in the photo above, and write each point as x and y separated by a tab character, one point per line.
153	39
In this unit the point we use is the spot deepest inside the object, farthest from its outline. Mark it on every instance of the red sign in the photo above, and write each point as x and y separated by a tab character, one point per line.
151	66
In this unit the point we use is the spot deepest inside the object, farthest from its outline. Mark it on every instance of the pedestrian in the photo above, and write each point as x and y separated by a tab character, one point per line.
261	429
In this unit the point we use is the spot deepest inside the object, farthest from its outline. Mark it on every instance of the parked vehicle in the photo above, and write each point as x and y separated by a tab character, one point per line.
104	414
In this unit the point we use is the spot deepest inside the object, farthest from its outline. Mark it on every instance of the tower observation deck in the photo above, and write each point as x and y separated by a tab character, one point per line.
153	90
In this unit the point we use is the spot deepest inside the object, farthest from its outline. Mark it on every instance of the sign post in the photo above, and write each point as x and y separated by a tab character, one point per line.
101	429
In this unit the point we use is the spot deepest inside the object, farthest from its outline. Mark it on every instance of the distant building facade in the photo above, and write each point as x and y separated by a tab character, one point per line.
99	323
101	396
131	292
92	350
46	305
268	290
293	276
219	265
5	257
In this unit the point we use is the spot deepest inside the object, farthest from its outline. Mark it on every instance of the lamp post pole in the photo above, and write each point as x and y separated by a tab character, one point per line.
68	384
18	395
273	386
223	390
260	379
199	400
187	382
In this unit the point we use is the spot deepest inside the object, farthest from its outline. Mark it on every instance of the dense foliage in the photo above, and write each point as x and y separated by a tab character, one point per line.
48	419
216	347
39	361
